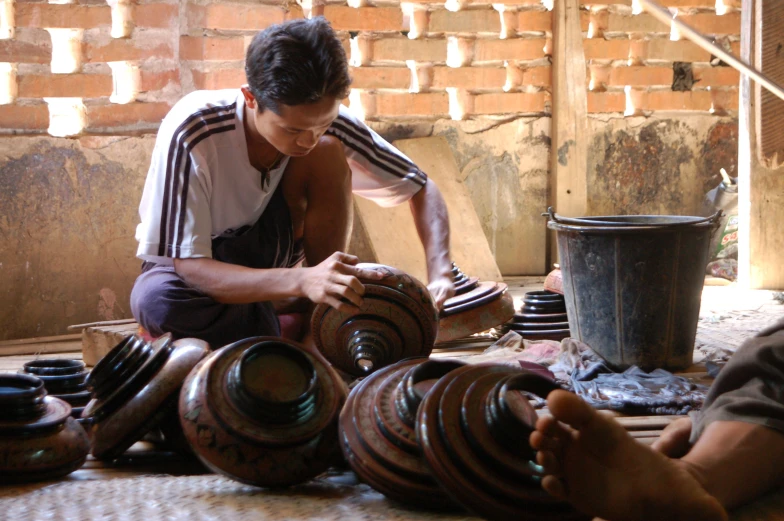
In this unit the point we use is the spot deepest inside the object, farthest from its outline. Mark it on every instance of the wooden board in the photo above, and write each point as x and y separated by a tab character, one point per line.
570	116
770	60
391	231
99	340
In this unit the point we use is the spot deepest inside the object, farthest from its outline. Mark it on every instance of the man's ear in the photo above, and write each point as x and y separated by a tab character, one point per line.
250	99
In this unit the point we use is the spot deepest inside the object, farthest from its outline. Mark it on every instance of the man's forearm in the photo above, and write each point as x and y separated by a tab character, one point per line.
233	284
432	223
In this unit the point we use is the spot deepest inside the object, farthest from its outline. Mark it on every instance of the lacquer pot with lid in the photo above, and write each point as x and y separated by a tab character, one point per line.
264	411
38	438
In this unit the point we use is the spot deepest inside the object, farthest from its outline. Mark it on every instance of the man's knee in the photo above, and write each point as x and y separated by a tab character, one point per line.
157	303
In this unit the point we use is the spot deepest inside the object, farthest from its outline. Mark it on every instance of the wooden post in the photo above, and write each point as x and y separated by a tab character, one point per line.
760	179
568	170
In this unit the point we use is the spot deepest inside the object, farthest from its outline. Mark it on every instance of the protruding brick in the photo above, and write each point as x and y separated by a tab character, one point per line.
380	77
508	22
159	16
24	117
466	21
125	116
469	78
680	51
219	79
121	49
64	16
429	104
24	52
674	101
122	18
606	102
641	76
421	76
238	17
8	86
707	23
599	77
513	49
344	18
152	81
509	103
601	49
535	21
459	51
212	48
716	76
402	49
65	86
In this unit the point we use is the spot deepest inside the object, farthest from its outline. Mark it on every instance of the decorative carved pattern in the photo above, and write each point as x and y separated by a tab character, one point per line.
263	411
397	320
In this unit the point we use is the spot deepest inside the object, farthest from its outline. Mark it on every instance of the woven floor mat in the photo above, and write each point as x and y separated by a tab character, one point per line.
203	498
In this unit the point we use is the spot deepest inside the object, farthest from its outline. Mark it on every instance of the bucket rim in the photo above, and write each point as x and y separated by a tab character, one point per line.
598	230
617	221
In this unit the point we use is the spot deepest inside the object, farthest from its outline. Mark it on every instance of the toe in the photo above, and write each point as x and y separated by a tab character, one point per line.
554	486
601	431
539	441
549	462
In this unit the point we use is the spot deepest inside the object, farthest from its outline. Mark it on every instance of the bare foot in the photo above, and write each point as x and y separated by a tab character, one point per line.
592	462
674	439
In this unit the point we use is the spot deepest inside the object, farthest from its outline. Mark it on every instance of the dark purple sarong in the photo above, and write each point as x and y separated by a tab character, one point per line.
162	302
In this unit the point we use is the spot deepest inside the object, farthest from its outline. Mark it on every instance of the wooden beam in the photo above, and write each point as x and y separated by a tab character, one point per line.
761	184
568	160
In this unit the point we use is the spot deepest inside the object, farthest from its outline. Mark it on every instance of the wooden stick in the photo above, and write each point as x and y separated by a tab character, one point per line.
40	340
104	323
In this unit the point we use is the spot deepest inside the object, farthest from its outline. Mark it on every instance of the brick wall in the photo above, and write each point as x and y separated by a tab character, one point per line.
97	68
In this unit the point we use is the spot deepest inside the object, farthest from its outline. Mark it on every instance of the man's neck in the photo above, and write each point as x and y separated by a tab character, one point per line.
260	152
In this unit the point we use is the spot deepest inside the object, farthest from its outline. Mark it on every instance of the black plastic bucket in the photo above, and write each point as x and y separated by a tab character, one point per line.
633	285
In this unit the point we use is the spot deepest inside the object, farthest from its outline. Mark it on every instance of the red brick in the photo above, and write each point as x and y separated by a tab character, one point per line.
540	21
670	100
538	76
151	81
602	102
605	2
506	103
127	115
724	100
512	49
212	48
17	51
537	3
219	79
238	17
344	18
716	76
641	76
601	49
465	21
161	16
402	49
66	16
65	86
122	49
380	77
430	104
707	23
470	78
689	3
24	117
663	49
639	23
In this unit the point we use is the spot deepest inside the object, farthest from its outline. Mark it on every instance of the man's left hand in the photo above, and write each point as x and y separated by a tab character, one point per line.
441	288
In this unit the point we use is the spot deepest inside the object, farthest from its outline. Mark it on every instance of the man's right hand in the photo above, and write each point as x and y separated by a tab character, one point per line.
336	282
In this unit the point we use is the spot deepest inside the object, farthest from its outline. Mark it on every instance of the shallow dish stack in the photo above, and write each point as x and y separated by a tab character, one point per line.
64	379
543	317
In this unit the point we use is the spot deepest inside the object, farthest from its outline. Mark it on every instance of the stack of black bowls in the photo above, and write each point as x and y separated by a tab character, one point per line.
543	317
64	379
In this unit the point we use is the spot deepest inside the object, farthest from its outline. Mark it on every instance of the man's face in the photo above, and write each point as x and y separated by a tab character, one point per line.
297	129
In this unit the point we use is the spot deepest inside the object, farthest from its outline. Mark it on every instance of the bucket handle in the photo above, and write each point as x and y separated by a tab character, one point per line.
713	219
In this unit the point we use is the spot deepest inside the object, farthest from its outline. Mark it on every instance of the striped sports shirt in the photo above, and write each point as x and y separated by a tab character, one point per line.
201	184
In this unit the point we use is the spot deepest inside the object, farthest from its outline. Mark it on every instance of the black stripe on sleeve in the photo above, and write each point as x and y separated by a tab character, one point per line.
173	146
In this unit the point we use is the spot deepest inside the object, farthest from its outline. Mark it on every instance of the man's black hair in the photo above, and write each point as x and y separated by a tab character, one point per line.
295	63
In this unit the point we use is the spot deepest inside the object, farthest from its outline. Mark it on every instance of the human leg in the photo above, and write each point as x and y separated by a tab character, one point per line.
164	303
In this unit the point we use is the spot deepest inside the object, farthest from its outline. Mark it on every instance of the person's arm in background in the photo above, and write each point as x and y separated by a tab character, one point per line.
432	223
